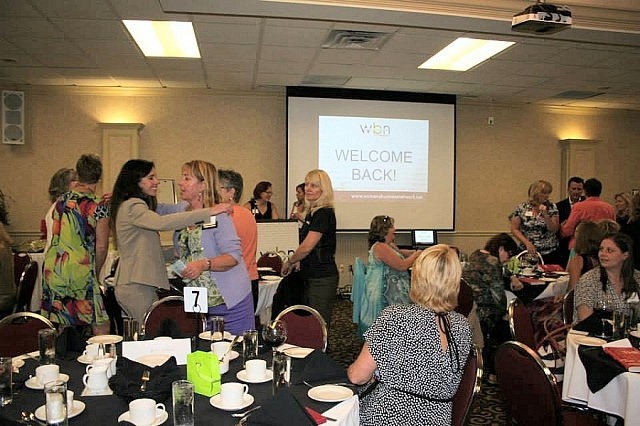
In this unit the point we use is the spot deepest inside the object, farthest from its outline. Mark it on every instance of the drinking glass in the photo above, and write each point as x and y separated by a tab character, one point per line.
47	346
6	370
281	371
55	394
604	309
274	334
217	328
249	346
182	392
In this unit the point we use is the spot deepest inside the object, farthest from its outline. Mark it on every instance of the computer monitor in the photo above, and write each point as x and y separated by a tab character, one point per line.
423	238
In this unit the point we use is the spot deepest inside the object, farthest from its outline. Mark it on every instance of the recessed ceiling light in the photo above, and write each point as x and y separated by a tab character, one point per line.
465	53
164	38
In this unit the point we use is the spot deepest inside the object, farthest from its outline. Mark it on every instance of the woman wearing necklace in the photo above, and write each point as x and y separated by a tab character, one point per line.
213	255
615	281
79	243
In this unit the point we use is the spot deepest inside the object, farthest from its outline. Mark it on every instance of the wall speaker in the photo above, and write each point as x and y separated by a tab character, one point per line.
12	117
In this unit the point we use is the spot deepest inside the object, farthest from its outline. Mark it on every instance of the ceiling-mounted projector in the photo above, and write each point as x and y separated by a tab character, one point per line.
542	18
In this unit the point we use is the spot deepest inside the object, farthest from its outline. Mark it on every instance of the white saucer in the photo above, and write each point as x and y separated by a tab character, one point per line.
78	407
16	363
330	393
32	383
233	355
216	402
89	392
242	375
271	277
83	359
106	339
589	341
153	360
634	333
161	417
206	335
297	352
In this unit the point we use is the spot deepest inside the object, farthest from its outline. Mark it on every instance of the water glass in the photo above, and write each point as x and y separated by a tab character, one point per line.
55	394
6	370
182	393
281	371
619	319
216	326
131	329
634	316
249	346
47	346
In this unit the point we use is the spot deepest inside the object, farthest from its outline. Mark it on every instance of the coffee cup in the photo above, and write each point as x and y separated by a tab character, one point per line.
96	378
47	373
256	369
104	362
232	394
91	351
143	411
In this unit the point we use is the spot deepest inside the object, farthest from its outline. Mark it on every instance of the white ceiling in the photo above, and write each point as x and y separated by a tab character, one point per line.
253	45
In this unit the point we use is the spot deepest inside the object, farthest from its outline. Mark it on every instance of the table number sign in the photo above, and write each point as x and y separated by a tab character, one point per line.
195	299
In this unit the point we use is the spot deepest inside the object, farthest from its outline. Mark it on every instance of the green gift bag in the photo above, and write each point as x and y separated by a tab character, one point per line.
203	370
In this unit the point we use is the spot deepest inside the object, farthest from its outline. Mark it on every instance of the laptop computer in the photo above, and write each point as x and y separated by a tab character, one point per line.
423	238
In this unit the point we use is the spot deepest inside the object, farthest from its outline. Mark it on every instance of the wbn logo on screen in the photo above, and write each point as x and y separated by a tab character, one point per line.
375	129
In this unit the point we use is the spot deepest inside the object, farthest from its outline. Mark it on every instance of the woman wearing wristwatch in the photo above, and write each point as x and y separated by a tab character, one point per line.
213	255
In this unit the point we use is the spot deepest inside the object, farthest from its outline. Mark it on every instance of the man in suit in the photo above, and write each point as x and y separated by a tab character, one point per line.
592	208
575	189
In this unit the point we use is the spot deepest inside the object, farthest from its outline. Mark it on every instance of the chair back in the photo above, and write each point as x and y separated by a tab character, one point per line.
20	261
522	255
271	260
465	299
168	315
26	284
567	308
468	388
305	327
19	332
520	323
528	387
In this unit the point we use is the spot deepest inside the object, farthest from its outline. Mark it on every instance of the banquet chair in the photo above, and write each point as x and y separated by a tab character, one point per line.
19	332
567	308
20	261
271	260
530	392
305	327
520	255
465	299
469	387
520	323
168	315
25	287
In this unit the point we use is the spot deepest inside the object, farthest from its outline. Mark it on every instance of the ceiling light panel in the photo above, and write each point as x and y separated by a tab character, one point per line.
465	53
170	39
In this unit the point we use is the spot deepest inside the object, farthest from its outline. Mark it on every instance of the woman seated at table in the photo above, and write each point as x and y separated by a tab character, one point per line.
588	236
387	281
484	273
535	223
260	204
614	281
414	354
213	255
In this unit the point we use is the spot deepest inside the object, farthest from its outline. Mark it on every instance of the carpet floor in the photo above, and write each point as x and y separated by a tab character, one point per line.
344	347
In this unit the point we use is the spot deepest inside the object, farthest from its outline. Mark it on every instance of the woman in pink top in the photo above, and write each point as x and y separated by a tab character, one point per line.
231	185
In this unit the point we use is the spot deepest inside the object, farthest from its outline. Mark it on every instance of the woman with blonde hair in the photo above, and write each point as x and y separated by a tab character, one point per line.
317	249
623	205
414	354
213	254
535	223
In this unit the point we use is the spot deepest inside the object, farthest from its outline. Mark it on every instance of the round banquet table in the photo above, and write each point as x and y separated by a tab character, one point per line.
105	410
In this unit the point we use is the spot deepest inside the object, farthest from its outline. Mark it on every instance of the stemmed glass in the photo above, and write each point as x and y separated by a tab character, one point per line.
604	309
274	334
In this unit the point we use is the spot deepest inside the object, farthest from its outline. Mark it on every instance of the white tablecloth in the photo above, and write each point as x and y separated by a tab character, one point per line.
266	291
620	396
39	258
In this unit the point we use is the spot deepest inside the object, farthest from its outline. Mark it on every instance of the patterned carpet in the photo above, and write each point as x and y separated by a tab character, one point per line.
344	346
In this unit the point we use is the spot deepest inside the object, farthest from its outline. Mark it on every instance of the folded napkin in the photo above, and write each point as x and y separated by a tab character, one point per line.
129	378
320	367
600	367
282	409
591	324
317	417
